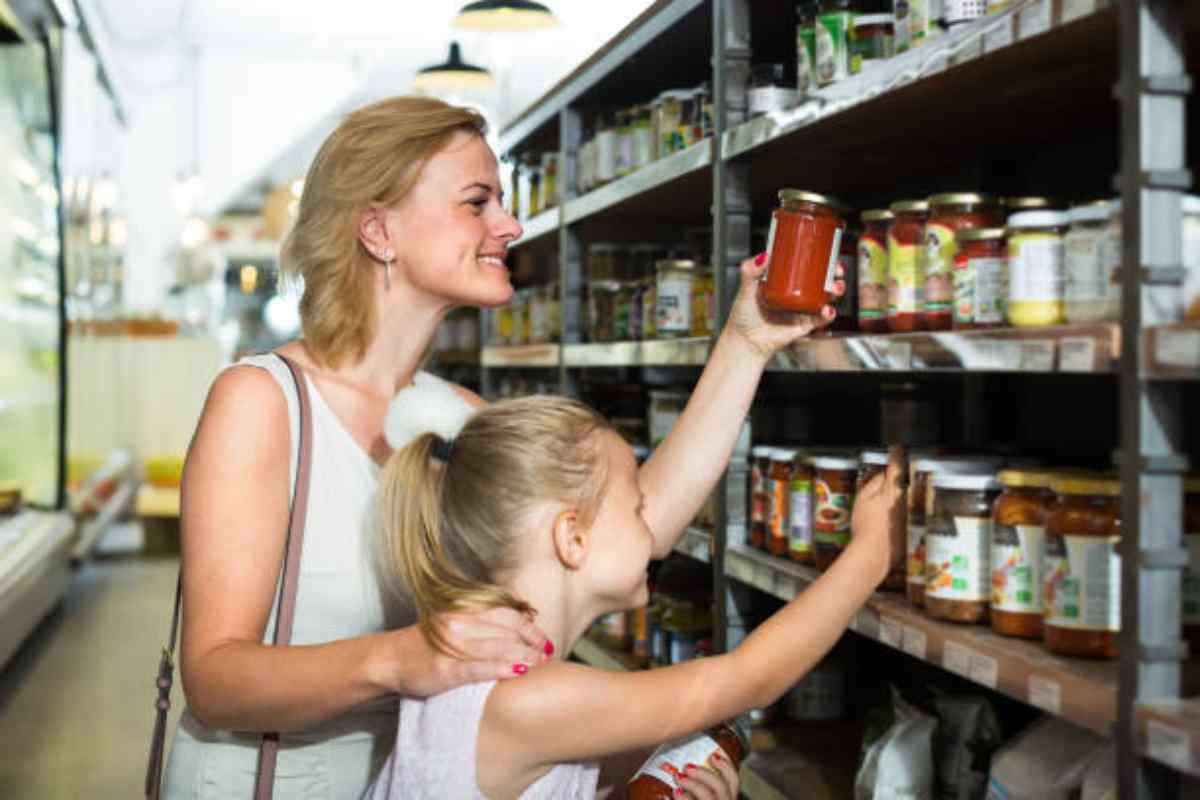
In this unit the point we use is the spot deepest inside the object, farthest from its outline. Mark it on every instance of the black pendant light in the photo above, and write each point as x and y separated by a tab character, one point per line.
454	73
505	15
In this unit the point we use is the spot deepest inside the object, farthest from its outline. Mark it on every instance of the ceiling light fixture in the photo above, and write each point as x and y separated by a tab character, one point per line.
454	73
505	15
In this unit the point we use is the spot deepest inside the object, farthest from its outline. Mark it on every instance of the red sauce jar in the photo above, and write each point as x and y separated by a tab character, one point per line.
658	777
760	464
802	253
778	488
948	214
873	271
833	494
906	265
980	278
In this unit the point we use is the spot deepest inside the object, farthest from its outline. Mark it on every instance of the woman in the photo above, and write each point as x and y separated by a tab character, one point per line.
401	219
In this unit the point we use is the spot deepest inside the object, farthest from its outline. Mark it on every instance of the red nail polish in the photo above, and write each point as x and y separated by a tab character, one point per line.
760	259
549	648
520	669
678	792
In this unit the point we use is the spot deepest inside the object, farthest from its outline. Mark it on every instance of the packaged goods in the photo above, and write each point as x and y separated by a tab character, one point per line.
806	47
958	545
873	271
960	12
760	465
658	777
606	151
549	185
1191	258
900	762
803	247
535	191
833	494
906	265
704	302
916	22
1082	585
872	463
768	91
602	310
980	278
800	512
820	696
673	297
643	137
604	261
872	43
948	214
1018	544
614	630
778	492
639	631
1048	761
835	32
1090	295
1036	268
1012	205
1191	575
968	733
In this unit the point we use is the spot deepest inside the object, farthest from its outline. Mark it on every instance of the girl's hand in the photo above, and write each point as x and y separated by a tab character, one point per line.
877	523
494	645
706	784
768	332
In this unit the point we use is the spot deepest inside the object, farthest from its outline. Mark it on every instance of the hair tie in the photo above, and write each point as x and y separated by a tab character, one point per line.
442	449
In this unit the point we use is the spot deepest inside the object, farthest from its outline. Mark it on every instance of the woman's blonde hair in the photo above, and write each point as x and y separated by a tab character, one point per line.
448	530
374	156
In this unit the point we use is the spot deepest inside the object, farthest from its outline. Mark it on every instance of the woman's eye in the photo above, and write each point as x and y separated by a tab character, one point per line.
479	203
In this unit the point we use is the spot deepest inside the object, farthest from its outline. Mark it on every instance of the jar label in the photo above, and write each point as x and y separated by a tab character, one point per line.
988	277
1085	268
940	248
674	306
758	504
777	509
958	564
770	246
1191	581
671	759
1083	583
872	279
831	268
800	539
805	44
1035	268
916	552
1017	568
964	289
906	284
833	33
831	520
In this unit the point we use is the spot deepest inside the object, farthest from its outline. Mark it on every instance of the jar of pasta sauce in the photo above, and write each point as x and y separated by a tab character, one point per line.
906	265
873	271
1081	587
760	464
949	214
1191	575
980	278
779	487
834	501
802	253
958	566
1036	268
800	511
658	777
1018	544
872	463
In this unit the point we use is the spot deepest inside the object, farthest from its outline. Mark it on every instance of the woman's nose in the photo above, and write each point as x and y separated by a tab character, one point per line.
507	228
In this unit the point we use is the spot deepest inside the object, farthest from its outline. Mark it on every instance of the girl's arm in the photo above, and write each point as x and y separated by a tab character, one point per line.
565	712
234	519
681	474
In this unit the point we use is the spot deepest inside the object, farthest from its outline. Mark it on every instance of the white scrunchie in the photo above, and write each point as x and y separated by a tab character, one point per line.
429	405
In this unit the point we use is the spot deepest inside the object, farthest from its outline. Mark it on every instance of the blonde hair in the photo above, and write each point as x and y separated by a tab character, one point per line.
374	156
447	531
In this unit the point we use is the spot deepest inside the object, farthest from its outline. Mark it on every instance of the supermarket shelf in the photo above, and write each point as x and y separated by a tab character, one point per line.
595	654
1084	692
94	527
536	228
696	543
659	188
34	573
526	355
157	501
455	358
1061	348
1173	352
1169	732
650	353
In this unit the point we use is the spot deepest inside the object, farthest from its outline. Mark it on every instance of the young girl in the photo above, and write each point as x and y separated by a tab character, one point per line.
535	506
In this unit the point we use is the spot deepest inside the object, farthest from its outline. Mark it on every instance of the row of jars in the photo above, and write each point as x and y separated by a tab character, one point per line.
1034	552
678	301
533	316
667	630
534	185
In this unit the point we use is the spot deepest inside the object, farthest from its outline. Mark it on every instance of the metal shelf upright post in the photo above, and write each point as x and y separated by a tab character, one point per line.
570	246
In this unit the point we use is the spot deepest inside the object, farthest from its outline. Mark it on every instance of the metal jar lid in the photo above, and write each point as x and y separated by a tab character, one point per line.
1039	219
834	462
801	196
961	199
1025	203
878	215
980	234
675	263
966	482
910	207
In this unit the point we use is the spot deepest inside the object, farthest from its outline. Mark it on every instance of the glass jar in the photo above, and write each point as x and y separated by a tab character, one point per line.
835	29
602	261
920	501
833	494
650	308
549	184
655	780
760	465
872	463
539	317
1018	544
872	42
802	253
779	487
906	265
1088	293
948	214
535	191
768	90
1082	569
1011	205
980	278
873	271
623	326
643	137
669	121
806	47
800	512
602	310
958	568
606	150
704	302
673	297
1191	575
1035	268
624	164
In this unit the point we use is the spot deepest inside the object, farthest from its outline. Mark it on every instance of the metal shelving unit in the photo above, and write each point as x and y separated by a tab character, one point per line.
1002	79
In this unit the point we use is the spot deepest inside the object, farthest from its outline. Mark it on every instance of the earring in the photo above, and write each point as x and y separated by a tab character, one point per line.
387	275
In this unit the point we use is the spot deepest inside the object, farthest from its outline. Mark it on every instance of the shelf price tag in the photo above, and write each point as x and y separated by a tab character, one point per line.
956	658
1169	745
1037	355
915	642
1035	19
899	355
891	633
1077	354
739	568
1045	694
985	670
785	587
1177	348
1000	35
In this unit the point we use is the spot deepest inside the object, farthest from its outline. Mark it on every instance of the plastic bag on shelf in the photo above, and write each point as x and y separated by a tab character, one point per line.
966	739
898	765
1047	761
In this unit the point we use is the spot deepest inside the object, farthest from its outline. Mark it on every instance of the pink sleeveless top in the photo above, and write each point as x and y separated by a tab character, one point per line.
435	754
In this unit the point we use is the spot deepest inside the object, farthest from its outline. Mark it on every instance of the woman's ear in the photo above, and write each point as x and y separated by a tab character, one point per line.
571	539
373	233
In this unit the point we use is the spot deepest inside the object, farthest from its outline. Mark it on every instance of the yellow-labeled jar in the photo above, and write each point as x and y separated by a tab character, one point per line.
1036	268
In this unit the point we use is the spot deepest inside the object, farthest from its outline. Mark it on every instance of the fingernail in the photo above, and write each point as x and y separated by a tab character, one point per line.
718	756
760	259
678	792
549	648
690	768
520	669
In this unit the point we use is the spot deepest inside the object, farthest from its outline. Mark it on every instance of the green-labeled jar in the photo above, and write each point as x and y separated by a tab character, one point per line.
806	47
835	33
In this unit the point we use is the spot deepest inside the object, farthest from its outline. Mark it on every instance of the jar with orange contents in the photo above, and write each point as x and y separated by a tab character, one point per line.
658	777
802	253
1018	542
1082	584
948	214
779	487
1191	575
760	464
906	265
833	493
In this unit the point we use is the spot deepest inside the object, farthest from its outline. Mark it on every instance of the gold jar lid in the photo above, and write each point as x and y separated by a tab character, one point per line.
801	196
675	263
961	199
1084	485
1026	203
910	207
980	234
878	215
1028	479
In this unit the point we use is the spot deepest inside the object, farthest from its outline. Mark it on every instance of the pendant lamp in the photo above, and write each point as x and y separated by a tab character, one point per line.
505	15
454	73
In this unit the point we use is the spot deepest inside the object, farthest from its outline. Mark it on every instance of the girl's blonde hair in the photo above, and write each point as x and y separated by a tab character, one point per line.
449	530
374	156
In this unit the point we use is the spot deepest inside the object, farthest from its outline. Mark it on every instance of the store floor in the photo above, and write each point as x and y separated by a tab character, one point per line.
76	703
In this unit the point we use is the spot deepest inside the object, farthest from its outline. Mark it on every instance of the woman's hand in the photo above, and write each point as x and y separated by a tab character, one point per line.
768	332
877	523
720	782
496	644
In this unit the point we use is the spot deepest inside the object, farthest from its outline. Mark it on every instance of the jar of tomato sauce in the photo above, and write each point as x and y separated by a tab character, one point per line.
873	271
948	214
906	265
872	463
779	487
1191	576
800	511
834	496
1018	544
657	778
802	253
980	278
760	464
1081	587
